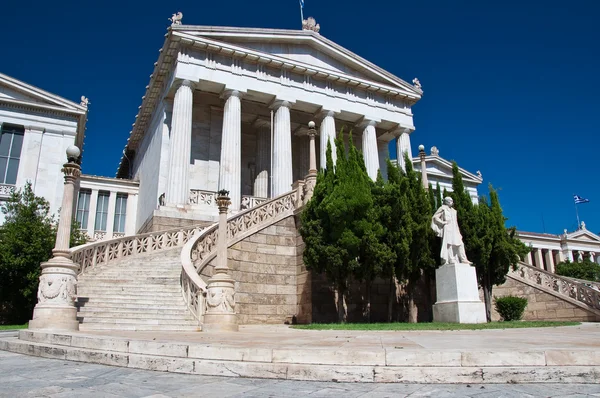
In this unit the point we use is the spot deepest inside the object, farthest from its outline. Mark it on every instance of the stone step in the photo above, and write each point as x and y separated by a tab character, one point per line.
93	316
120	327
99	311
114	294
140	321
84	301
135	273
132	307
109	281
129	288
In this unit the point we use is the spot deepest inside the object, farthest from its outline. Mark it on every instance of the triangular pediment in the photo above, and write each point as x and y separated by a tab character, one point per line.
443	168
304	48
16	91
584	235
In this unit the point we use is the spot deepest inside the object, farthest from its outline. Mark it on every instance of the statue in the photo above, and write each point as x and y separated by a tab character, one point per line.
311	24
84	101
435	151
176	18
445	225
417	83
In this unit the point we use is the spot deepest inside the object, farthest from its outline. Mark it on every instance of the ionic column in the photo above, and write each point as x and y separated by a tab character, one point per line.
282	149
383	151
327	132
539	261
579	256
550	261
91	227
230	168
177	192
263	161
57	289
369	147
110	221
527	259
402	147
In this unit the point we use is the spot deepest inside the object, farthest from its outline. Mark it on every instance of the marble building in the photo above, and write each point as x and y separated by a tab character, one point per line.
36	129
228	108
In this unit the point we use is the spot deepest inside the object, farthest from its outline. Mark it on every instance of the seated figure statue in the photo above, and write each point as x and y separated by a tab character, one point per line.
445	224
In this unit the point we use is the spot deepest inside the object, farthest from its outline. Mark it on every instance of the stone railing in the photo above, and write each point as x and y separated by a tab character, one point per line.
249	202
6	189
202	247
562	286
92	254
200	197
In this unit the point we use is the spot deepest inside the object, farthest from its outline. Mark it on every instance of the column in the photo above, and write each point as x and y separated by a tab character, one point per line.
424	179
549	261
131	214
282	149
180	146
593	257
230	169
579	256
263	161
327	131
369	147
539	261
92	213
110	217
528	259
383	151
559	257
402	147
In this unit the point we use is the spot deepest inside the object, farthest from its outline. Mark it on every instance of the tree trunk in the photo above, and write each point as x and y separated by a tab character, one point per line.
391	297
487	296
368	306
341	303
412	308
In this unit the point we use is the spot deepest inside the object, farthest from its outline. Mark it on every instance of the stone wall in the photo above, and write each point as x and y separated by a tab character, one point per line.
264	267
541	305
160	223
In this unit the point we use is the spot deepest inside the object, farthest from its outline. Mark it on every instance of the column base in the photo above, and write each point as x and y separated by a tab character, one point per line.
226	322
54	318
459	312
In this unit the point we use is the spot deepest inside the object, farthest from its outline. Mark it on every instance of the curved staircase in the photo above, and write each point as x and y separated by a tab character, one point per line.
135	293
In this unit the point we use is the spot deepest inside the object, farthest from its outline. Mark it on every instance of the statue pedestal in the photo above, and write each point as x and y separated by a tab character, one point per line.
220	301
457	295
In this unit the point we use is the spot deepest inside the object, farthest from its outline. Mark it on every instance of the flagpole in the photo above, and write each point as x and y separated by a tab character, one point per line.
301	13
577	213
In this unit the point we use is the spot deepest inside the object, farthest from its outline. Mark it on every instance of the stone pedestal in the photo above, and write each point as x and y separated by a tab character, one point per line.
457	295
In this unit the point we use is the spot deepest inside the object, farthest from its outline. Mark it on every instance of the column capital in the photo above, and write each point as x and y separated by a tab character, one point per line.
230	92
183	83
278	103
366	122
323	113
398	131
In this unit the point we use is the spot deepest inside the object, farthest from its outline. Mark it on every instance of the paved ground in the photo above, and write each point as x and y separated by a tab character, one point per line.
25	376
585	336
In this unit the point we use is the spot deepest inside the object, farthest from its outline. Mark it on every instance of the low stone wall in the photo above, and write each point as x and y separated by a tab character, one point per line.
160	223
541	305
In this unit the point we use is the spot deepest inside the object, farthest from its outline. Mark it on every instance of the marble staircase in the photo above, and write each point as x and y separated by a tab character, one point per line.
140	292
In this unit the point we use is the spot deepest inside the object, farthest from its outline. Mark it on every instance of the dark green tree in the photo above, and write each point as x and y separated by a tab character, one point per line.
586	270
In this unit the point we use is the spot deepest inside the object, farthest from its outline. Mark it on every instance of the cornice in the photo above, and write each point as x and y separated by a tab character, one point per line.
36	107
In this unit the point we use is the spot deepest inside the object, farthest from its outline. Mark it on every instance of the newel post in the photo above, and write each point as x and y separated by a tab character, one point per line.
220	297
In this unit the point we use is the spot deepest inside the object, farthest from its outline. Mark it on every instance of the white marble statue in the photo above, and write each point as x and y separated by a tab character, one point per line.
417	83
311	24
445	224
84	101
176	18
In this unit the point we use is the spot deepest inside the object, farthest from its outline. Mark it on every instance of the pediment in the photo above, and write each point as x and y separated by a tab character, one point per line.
304	48
584	235
16	91
443	168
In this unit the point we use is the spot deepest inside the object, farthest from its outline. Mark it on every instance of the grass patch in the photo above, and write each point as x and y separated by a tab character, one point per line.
433	325
12	327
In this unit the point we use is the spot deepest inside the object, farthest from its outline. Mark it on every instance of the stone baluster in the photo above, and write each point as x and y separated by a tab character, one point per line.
327	131
57	289
369	149
282	151
180	146
220	297
230	173
402	147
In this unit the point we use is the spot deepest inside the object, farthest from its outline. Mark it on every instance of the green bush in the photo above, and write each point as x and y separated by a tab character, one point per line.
586	269
510	308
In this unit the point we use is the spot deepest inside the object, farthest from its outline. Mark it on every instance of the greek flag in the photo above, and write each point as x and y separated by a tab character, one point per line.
301	3
578	199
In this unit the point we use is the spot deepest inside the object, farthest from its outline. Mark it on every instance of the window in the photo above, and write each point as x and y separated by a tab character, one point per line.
101	211
83	207
11	142
120	213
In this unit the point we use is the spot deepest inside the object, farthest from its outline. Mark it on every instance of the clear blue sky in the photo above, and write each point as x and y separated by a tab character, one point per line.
511	87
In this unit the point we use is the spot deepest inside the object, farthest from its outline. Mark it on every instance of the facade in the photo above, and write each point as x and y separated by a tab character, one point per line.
547	250
228	108
36	129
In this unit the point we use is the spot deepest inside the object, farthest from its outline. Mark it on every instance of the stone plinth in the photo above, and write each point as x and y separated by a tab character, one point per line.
220	301
457	295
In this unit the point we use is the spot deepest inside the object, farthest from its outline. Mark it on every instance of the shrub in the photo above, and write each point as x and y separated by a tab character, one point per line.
586	269
510	308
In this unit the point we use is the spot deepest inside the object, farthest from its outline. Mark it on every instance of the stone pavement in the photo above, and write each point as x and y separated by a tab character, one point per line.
26	376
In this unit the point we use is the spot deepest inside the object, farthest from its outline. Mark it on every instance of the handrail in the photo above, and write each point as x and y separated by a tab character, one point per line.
92	254
202	247
560	286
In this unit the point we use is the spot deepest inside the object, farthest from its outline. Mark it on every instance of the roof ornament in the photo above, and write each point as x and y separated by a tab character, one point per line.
435	151
311	24
176	18
417	84
84	101
479	174
583	225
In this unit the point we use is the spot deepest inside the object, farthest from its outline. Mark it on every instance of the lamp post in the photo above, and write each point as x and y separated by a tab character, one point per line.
311	178
220	297
57	289
423	167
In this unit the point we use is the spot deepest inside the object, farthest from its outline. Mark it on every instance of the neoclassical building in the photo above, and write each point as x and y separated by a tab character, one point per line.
228	108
